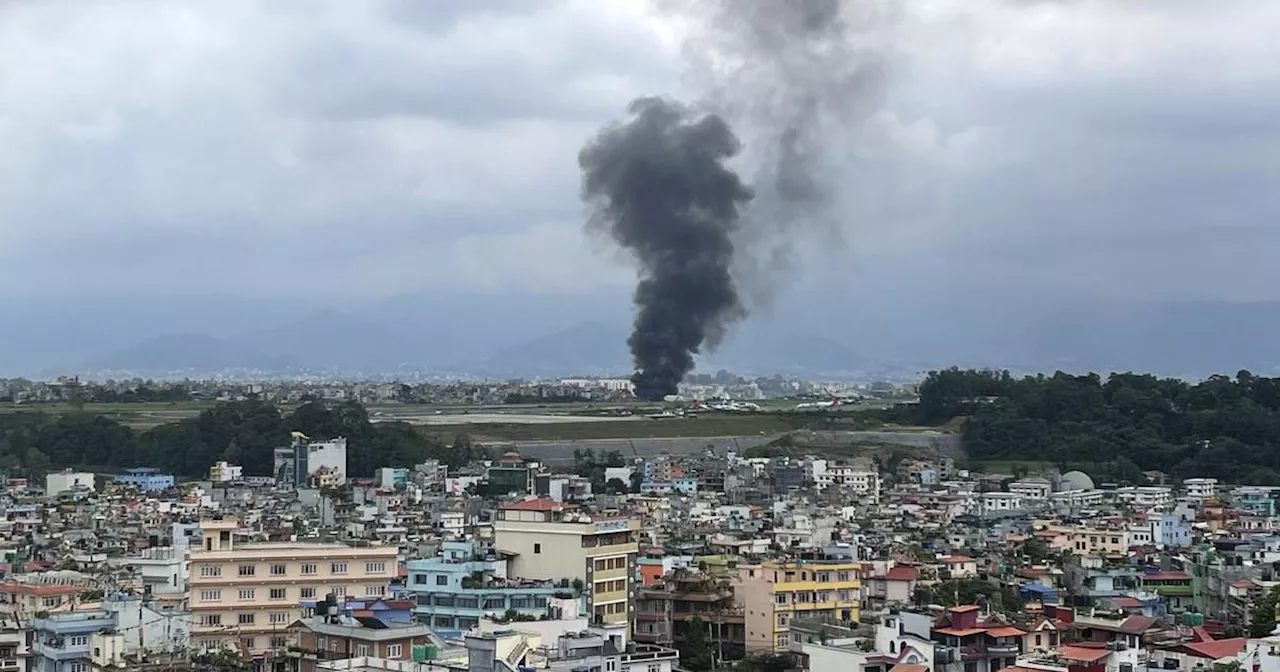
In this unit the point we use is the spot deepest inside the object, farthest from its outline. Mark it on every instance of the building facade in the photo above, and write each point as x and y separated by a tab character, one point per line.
773	593
61	642
146	479
244	596
465	584
550	540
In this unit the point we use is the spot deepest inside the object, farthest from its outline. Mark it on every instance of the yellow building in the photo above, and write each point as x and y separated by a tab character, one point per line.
246	595
553	541
774	593
1086	540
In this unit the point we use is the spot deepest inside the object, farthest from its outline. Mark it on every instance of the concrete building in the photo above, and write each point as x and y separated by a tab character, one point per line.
1032	489
222	472
549	540
67	480
163	571
245	596
773	593
995	502
305	460
142	626
60	642
1201	488
146	479
321	639
465	584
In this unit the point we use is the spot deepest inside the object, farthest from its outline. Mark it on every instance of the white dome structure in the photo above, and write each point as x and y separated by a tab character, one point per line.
1075	480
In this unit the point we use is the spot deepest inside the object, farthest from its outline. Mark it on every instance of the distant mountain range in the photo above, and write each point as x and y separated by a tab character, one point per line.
828	335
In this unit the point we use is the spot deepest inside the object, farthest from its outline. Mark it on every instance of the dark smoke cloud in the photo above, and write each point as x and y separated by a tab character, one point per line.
658	185
797	75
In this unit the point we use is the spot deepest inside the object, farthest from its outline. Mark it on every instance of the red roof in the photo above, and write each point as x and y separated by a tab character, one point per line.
956	559
1084	654
536	505
902	574
1216	649
1126	602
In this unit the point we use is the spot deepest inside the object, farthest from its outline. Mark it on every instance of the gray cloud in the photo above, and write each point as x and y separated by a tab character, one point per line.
1061	148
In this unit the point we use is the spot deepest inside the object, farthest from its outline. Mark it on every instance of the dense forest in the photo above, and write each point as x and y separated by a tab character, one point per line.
244	433
1221	427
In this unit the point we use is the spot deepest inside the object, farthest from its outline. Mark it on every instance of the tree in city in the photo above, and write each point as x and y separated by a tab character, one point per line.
695	655
1262	620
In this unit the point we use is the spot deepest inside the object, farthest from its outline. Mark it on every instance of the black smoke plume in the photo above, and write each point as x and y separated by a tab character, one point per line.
659	186
796	77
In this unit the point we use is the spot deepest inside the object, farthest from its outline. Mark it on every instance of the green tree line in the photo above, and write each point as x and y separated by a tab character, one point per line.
243	432
1221	427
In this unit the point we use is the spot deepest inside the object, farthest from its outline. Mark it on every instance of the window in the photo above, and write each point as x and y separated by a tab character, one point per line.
495	603
654	667
339	591
78	667
211	570
783	640
247	570
442	580
375	567
537	548
246	619
279	642
362	650
611	665
279	593
395	650
1039	638
307	593
248	642
51	601
246	593
78	640
338	568
781	598
278	617
419	578
278	570
211	644
211	619
308	569
373	590
210	595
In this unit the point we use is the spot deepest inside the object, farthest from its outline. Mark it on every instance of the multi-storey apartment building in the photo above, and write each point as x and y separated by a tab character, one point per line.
551	540
245	596
465	584
666	612
775	592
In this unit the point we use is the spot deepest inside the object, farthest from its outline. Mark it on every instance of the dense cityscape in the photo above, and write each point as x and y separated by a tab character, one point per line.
639	336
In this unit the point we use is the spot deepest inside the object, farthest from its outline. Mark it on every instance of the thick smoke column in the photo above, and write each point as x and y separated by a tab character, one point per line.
659	186
796	77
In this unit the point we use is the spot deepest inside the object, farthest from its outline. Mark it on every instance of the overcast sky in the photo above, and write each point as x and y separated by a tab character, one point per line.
368	148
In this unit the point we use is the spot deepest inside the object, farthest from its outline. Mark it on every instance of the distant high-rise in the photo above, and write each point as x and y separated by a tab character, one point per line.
300	462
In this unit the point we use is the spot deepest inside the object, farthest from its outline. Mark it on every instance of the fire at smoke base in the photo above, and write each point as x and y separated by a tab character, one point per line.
659	186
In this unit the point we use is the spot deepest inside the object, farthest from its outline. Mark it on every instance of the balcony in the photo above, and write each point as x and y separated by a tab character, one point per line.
649	652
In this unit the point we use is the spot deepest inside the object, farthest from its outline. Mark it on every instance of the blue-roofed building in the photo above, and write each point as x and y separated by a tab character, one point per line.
146	479
62	642
1035	592
466	583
